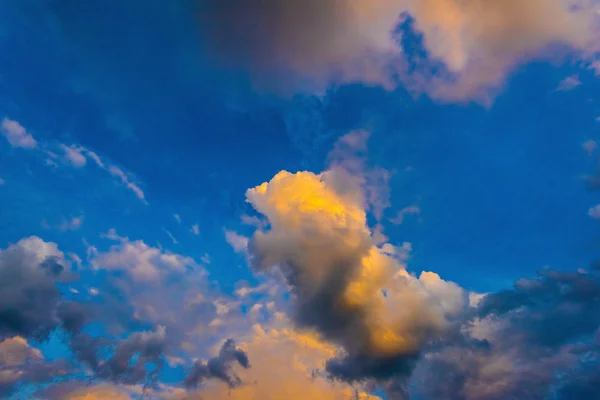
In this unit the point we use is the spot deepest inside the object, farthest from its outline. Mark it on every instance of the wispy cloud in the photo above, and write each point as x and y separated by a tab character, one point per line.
74	155
569	83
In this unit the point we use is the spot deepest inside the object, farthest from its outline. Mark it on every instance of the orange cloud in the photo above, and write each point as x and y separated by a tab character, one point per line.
353	293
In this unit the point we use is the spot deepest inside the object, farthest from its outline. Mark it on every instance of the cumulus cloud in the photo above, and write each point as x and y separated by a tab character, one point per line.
141	261
478	42
17	135
350	291
30	303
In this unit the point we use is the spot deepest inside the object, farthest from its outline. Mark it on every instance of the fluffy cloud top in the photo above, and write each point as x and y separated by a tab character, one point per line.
350	291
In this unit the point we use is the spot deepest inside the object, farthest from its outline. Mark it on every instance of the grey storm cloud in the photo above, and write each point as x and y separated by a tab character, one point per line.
219	367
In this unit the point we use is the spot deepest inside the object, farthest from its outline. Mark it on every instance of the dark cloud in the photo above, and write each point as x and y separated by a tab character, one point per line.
536	341
136	359
219	367
20	364
30	303
311	40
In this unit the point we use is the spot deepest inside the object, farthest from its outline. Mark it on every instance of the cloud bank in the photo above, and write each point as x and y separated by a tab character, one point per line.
477	42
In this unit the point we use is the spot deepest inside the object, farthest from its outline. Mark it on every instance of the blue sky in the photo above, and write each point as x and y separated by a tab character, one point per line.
129	144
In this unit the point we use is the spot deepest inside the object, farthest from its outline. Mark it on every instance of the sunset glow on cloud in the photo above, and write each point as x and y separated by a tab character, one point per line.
319	199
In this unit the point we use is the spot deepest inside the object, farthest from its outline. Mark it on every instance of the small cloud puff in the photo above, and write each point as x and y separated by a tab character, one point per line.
17	135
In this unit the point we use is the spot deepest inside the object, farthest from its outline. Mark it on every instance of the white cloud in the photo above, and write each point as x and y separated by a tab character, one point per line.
96	158
126	180
177	217
2	181
195	229
124	177
569	83
74	155
17	135
142	262
594	212
237	241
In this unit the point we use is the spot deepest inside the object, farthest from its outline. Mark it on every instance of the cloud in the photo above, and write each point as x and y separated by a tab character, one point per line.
308	39
126	180
537	340
17	135
177	218
410	210
81	391
590	146
130	359
140	261
315	41
219	367
71	225
283	365
20	363
74	155
170	235
346	288
30	302
238	242
569	83
594	212
195	229
350	175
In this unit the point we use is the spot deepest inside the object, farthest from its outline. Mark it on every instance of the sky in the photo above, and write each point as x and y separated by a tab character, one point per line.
209	199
